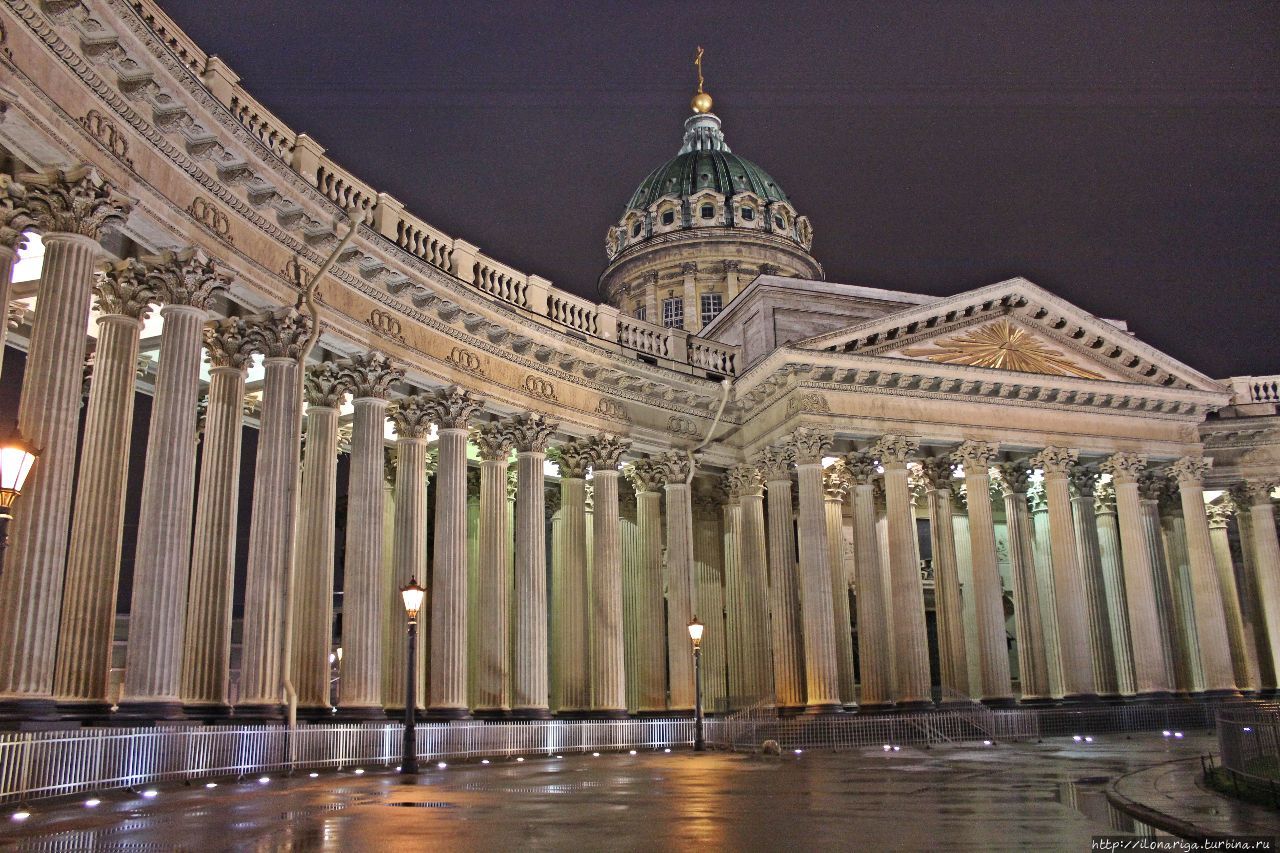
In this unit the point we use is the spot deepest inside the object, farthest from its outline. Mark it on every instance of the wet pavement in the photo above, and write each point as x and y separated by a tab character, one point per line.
1049	796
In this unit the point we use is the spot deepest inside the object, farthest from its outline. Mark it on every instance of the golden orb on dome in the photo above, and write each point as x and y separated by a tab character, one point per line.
701	103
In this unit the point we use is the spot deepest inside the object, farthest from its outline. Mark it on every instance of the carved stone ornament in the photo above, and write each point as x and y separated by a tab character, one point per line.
573	457
676	466
836	482
976	455
743	480
326	385
185	277
1152	484
1220	513
122	288
810	444
281	332
895	449
1014	478
370	374
645	475
937	472
1254	493
774	463
1037	499
530	432
1124	467
808	401
493	440
606	451
1055	461
454	407
1190	470
14	215
73	201
411	416
229	342
1104	498
1085	479
861	467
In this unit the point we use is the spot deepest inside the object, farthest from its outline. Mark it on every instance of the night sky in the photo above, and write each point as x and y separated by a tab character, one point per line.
1122	155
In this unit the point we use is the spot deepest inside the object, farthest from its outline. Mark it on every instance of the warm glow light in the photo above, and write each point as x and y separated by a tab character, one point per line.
151	793
16	458
23	815
93	802
695	631
413	595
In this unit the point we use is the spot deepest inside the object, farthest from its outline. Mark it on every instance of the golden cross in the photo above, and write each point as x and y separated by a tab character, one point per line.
698	62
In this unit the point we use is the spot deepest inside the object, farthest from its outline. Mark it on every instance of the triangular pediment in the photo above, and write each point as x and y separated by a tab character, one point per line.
1017	326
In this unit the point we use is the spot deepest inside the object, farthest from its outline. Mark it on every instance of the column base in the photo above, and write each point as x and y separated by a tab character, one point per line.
256	713
1037	701
956	704
876	708
787	710
87	713
651	714
1223	693
209	714
149	713
823	708
1153	696
609	714
999	701
529	714
495	714
32	715
366	714
316	715
915	705
444	715
682	713
1077	699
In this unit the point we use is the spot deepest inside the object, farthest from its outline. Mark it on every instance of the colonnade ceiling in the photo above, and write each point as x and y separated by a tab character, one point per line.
96	83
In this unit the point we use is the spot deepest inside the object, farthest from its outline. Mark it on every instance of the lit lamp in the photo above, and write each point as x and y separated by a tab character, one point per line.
17	456
413	596
695	634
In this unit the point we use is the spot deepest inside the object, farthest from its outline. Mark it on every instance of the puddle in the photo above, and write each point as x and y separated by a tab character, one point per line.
1088	796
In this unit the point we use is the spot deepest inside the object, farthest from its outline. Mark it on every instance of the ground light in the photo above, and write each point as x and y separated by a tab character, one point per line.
92	802
314	775
262	780
151	793
442	765
20	815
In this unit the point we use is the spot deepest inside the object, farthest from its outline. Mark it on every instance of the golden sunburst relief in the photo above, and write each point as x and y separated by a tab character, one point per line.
1001	345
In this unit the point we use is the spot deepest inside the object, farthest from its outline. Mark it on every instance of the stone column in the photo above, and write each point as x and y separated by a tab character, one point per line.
784	597
910	642
1149	664
206	665
976	458
608	672
1206	594
1088	546
14	218
872	596
1039	507
1173	635
1033	665
952	656
676	468
1265	551
964	567
93	563
411	417
1074	637
326	388
1104	505
1248	578
650	675
185	281
731	527
369	376
530	433
492	653
570	645
708	593
452	410
71	208
1244	663
822	672
836	485
755	681
280	336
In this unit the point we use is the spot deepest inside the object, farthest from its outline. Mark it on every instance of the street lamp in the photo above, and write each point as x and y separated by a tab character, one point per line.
17	456
413	596
695	634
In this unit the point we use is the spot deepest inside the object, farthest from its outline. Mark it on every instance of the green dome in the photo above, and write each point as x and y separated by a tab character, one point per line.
705	163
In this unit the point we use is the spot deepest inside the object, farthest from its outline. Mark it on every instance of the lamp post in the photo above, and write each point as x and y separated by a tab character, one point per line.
695	634
413	596
17	456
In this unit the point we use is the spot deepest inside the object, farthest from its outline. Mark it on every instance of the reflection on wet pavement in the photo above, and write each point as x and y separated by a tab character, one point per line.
1046	796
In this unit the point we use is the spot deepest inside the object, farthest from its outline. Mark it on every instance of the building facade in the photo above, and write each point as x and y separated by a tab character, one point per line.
873	499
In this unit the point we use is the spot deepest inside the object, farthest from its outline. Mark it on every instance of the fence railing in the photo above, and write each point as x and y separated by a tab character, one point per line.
1249	745
48	764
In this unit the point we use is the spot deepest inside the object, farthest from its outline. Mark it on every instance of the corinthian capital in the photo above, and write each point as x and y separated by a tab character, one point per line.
530	432
1124	467
1014	477
937	472
1190	470
370	374
645	475
1152	484
895	449
493	440
280	333
229	342
810	444
73	201
325	385
676	467
454	406
1104	498
1220	513
775	462
1253	493
1055	461
976	455
605	451
573	457
743	480
861	466
14	215
836	482
185	277
122	288
1085	479
411	416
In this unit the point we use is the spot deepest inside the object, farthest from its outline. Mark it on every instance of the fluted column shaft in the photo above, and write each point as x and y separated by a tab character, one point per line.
8	255
313	625
1169	610
360	691
569	602
1088	546
608	673
833	507
48	416
1033	665
756	681
1150	668
1113	574
493	652
910	642
1266	567
988	590
409	550
529	698
272	527
731	524
1040	549
952	657
207	649
822	673
153	664
93	562
651	678
872	602
1068	585
679	578
1243	655
784	597
449	579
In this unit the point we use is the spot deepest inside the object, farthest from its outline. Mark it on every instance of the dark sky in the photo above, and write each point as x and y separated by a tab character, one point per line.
1122	155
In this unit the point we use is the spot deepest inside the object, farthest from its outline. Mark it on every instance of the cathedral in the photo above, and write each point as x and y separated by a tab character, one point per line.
266	397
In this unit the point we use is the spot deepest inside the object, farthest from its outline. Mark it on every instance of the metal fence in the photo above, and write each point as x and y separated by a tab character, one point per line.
1249	744
47	764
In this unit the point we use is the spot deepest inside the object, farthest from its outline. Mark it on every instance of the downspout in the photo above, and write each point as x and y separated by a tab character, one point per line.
724	399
